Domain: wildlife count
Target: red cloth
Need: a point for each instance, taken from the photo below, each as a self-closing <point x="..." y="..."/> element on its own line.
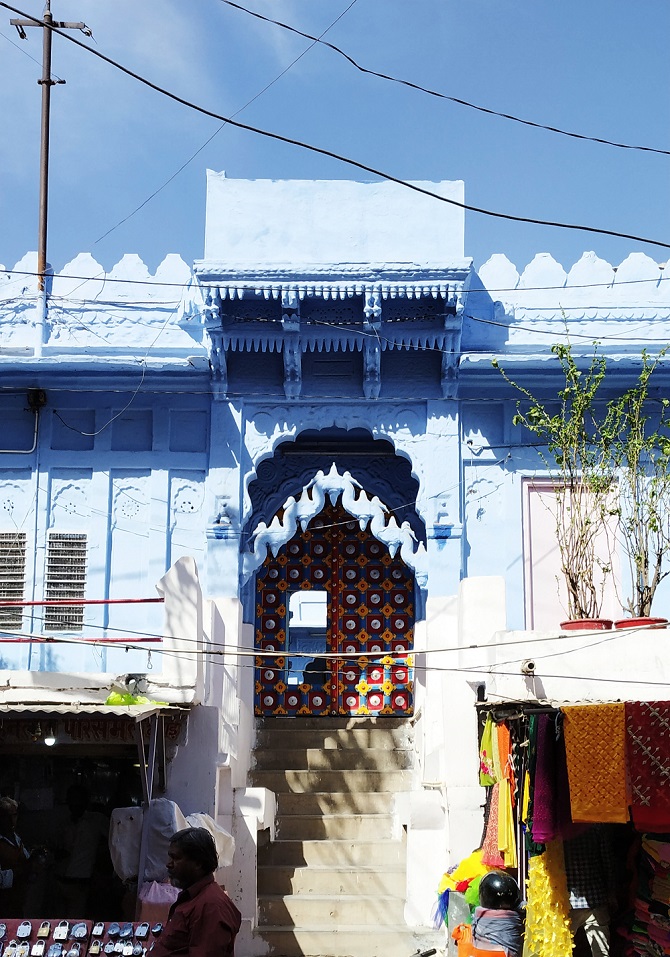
<point x="552" y="818"/>
<point x="491" y="855"/>
<point x="203" y="922"/>
<point x="648" y="752"/>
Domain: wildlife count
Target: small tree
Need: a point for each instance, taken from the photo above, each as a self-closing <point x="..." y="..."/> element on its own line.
<point x="637" y="429"/>
<point x="568" y="434"/>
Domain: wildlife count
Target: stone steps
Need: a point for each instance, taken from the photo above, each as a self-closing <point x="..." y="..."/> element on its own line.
<point x="315" y="879"/>
<point x="331" y="759"/>
<point x="333" y="883"/>
<point x="356" y="739"/>
<point x="343" y="782"/>
<point x="337" y="827"/>
<point x="369" y="802"/>
<point x="333" y="853"/>
<point x="322" y="940"/>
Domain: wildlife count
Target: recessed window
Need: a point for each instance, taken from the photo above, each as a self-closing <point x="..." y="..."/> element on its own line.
<point x="65" y="578"/>
<point x="12" y="577"/>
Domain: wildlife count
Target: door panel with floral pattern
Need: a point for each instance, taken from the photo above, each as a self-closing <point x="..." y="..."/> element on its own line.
<point x="358" y="659"/>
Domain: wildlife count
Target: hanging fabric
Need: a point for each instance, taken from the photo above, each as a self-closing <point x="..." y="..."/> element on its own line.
<point x="548" y="909"/>
<point x="486" y="771"/>
<point x="506" y="824"/>
<point x="597" y="794"/>
<point x="648" y="754"/>
<point x="551" y="792"/>
<point x="490" y="852"/>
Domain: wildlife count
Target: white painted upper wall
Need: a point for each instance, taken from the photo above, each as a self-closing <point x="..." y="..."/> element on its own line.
<point x="268" y="222"/>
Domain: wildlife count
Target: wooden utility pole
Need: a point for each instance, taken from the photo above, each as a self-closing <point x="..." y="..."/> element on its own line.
<point x="47" y="23"/>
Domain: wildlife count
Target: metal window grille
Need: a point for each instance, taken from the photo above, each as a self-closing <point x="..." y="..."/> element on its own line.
<point x="65" y="577"/>
<point x="12" y="576"/>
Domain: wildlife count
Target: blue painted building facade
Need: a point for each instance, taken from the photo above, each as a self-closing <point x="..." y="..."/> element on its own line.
<point x="334" y="341"/>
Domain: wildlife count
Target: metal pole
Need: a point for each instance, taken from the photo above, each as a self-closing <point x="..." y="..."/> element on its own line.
<point x="46" y="83"/>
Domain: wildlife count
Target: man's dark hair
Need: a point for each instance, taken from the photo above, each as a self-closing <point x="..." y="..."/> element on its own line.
<point x="197" y="844"/>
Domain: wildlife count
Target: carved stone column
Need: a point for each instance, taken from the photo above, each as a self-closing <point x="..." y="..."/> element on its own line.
<point x="292" y="348"/>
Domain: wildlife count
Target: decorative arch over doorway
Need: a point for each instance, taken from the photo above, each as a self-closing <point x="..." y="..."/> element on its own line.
<point x="335" y="609"/>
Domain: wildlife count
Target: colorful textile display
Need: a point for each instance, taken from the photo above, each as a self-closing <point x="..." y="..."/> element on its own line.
<point x="491" y="852"/>
<point x="486" y="778"/>
<point x="506" y="825"/>
<point x="597" y="795"/>
<point x="648" y="934"/>
<point x="548" y="910"/>
<point x="648" y="755"/>
<point x="551" y="793"/>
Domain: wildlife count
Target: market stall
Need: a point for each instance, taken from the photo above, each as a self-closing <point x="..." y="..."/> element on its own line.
<point x="577" y="798"/>
<point x="69" y="767"/>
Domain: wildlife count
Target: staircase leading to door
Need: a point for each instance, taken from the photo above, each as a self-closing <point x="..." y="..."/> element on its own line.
<point x="333" y="882"/>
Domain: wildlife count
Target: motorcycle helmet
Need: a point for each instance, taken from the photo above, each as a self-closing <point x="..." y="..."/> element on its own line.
<point x="499" y="891"/>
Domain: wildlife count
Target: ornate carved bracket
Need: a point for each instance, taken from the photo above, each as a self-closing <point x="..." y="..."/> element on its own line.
<point x="451" y="352"/>
<point x="372" y="379"/>
<point x="292" y="349"/>
<point x="218" y="345"/>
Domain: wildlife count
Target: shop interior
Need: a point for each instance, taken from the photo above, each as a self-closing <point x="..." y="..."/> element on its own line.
<point x="67" y="775"/>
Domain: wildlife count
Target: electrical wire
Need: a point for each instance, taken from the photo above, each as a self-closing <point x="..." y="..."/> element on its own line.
<point x="444" y="96"/>
<point x="25" y="53"/>
<point x="657" y="280"/>
<point x="223" y="126"/>
<point x="527" y="643"/>
<point x="331" y="154"/>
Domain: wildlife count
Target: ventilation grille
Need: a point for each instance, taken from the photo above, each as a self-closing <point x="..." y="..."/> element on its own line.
<point x="12" y="576"/>
<point x="65" y="578"/>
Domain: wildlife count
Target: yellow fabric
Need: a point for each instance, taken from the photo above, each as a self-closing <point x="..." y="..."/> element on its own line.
<point x="469" y="868"/>
<point x="486" y="754"/>
<point x="597" y="787"/>
<point x="506" y="830"/>
<point x="498" y="759"/>
<point x="548" y="906"/>
<point x="525" y="798"/>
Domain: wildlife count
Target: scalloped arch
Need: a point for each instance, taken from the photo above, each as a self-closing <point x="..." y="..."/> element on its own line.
<point x="266" y="429"/>
<point x="371" y="514"/>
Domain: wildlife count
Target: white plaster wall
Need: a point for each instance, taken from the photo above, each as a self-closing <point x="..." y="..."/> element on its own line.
<point x="192" y="773"/>
<point x="271" y="222"/>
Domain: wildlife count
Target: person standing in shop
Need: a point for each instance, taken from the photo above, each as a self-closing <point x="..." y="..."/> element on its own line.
<point x="77" y="852"/>
<point x="14" y="861"/>
<point x="590" y="873"/>
<point x="203" y="921"/>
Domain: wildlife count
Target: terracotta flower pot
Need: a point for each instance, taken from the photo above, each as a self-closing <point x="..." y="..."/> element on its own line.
<point x="587" y="624"/>
<point x="641" y="623"/>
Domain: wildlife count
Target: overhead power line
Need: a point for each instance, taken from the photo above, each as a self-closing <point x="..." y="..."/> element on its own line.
<point x="251" y="286"/>
<point x="444" y="96"/>
<point x="331" y="154"/>
<point x="223" y="126"/>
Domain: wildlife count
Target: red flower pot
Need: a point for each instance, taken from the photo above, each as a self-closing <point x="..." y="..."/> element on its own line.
<point x="587" y="624"/>
<point x="641" y="623"/>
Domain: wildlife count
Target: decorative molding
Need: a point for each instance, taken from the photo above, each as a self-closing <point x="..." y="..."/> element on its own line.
<point x="372" y="513"/>
<point x="292" y="348"/>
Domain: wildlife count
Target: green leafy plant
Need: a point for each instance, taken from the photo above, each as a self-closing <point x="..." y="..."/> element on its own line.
<point x="636" y="433"/>
<point x="570" y="443"/>
<point x="610" y="462"/>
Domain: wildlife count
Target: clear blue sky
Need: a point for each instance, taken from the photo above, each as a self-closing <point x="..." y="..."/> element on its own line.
<point x="599" y="67"/>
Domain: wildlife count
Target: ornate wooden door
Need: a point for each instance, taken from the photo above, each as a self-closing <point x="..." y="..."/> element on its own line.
<point x="368" y="629"/>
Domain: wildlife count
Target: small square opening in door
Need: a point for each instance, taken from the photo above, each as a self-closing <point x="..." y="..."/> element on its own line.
<point x="307" y="629"/>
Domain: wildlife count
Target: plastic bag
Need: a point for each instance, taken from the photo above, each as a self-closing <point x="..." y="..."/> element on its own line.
<point x="156" y="898"/>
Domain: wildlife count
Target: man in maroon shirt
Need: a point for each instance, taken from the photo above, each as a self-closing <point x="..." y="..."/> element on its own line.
<point x="203" y="921"/>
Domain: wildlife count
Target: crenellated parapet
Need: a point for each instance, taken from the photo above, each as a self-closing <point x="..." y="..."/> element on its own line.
<point x="89" y="314"/>
<point x="592" y="298"/>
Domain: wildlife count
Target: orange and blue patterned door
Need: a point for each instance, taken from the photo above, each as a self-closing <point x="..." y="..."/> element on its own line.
<point x="357" y="659"/>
